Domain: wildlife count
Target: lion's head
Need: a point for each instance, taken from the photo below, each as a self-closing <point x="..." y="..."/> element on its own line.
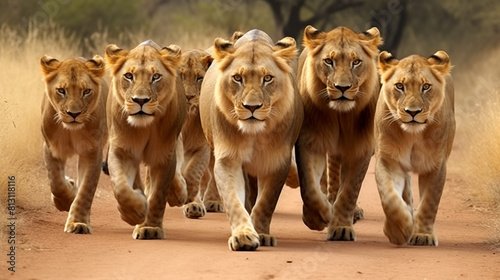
<point x="143" y="79"/>
<point x="414" y="88"/>
<point x="73" y="87"/>
<point x="194" y="64"/>
<point x="255" y="83"/>
<point x="343" y="63"/>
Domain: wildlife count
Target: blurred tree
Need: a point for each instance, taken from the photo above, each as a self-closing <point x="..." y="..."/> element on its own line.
<point x="287" y="14"/>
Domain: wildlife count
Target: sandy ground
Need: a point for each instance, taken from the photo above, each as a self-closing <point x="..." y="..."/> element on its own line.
<point x="197" y="249"/>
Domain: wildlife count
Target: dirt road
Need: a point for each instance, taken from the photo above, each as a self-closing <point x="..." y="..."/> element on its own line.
<point x="197" y="249"/>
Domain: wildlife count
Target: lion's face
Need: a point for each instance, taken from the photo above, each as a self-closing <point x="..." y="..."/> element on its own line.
<point x="255" y="87"/>
<point x="194" y="64"/>
<point x="343" y="60"/>
<point x="144" y="80"/>
<point x="73" y="88"/>
<point x="413" y="88"/>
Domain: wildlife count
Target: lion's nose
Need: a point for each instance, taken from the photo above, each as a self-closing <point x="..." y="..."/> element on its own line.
<point x="413" y="112"/>
<point x="73" y="114"/>
<point x="141" y="101"/>
<point x="342" y="88"/>
<point x="252" y="108"/>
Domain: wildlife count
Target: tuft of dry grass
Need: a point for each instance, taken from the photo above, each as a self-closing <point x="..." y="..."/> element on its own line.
<point x="476" y="158"/>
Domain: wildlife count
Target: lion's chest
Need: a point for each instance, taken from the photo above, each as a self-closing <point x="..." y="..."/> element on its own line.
<point x="417" y="155"/>
<point x="258" y="155"/>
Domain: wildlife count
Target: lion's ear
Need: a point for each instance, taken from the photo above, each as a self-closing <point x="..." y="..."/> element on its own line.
<point x="441" y="62"/>
<point x="49" y="64"/>
<point x="115" y="57"/>
<point x="286" y="49"/>
<point x="207" y="61"/>
<point x="373" y="39"/>
<point x="236" y="36"/>
<point x="386" y="61"/>
<point x="313" y="37"/>
<point x="223" y="48"/>
<point x="171" y="55"/>
<point x="96" y="65"/>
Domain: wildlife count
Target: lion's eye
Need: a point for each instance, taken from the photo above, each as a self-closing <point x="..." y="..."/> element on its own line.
<point x="328" y="61"/>
<point x="268" y="78"/>
<point x="426" y="87"/>
<point x="156" y="77"/>
<point x="86" y="92"/>
<point x="128" y="76"/>
<point x="237" y="78"/>
<point x="356" y="62"/>
<point x="199" y="79"/>
<point x="400" y="86"/>
<point x="61" y="91"/>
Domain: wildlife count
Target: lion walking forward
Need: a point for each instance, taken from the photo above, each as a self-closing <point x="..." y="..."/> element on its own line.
<point x="146" y="112"/>
<point x="415" y="127"/>
<point x="251" y="115"/>
<point x="338" y="83"/>
<point x="74" y="122"/>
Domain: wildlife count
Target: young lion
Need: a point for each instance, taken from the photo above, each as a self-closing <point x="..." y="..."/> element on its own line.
<point x="251" y="115"/>
<point x="146" y="114"/>
<point x="415" y="127"/>
<point x="339" y="85"/>
<point x="74" y="122"/>
<point x="194" y="64"/>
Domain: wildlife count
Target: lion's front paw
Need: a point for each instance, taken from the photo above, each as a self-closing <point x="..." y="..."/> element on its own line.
<point x="359" y="214"/>
<point x="267" y="240"/>
<point x="244" y="240"/>
<point x="145" y="232"/>
<point x="398" y="232"/>
<point x="214" y="206"/>
<point x="133" y="207"/>
<point x="314" y="218"/>
<point x="343" y="233"/>
<point x="194" y="210"/>
<point x="178" y="194"/>
<point x="78" y="228"/>
<point x="63" y="201"/>
<point x="423" y="239"/>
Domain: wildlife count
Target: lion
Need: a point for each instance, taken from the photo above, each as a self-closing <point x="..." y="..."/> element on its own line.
<point x="415" y="128"/>
<point x="194" y="64"/>
<point x="251" y="114"/>
<point x="339" y="86"/>
<point x="74" y="123"/>
<point x="145" y="116"/>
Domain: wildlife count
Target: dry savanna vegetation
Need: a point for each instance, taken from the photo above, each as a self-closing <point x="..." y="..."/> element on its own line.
<point x="474" y="163"/>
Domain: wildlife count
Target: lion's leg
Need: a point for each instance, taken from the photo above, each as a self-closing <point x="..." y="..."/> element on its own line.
<point x="269" y="187"/>
<point x="231" y="185"/>
<point x="333" y="177"/>
<point x="352" y="175"/>
<point x="62" y="188"/>
<point x="177" y="195"/>
<point x="316" y="211"/>
<point x="161" y="178"/>
<point x="431" y="188"/>
<point x="292" y="180"/>
<point x="123" y="171"/>
<point x="211" y="197"/>
<point x="193" y="172"/>
<point x="393" y="183"/>
<point x="89" y="169"/>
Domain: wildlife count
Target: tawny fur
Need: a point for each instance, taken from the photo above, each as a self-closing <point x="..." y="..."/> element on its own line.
<point x="338" y="83"/>
<point x="145" y="115"/>
<point x="74" y="123"/>
<point x="251" y="115"/>
<point x="415" y="128"/>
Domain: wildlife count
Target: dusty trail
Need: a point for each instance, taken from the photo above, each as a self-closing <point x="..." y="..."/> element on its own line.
<point x="197" y="249"/>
